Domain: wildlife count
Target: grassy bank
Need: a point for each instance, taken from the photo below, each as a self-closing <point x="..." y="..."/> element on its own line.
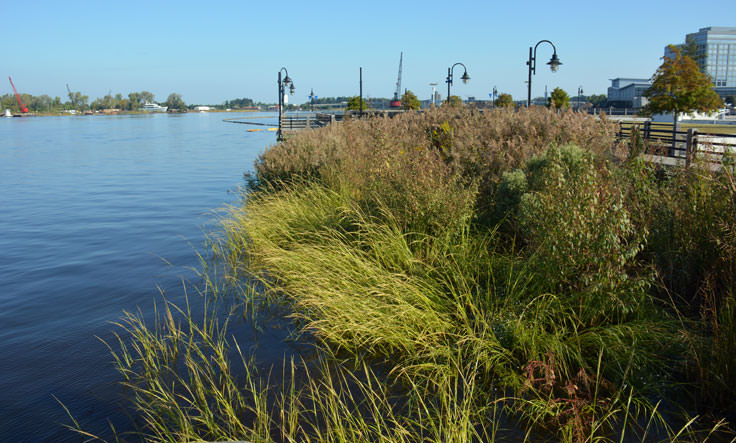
<point x="463" y="276"/>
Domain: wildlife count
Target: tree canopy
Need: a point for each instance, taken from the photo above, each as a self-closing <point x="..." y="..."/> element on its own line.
<point x="559" y="98"/>
<point x="175" y="102"/>
<point x="678" y="86"/>
<point x="504" y="100"/>
<point x="354" y="104"/>
<point x="410" y="101"/>
<point x="690" y="49"/>
<point x="598" y="100"/>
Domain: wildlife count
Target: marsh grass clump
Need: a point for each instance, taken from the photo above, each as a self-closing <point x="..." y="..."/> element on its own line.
<point x="430" y="168"/>
<point x="464" y="276"/>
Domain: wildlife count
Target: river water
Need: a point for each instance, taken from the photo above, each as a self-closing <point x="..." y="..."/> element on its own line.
<point x="95" y="214"/>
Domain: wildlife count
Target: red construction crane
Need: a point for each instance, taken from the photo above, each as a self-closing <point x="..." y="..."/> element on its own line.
<point x="23" y="108"/>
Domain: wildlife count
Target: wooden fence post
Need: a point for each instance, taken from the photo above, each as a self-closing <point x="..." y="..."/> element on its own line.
<point x="691" y="147"/>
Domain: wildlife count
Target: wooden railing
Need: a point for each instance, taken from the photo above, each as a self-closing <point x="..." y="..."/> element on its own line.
<point x="659" y="140"/>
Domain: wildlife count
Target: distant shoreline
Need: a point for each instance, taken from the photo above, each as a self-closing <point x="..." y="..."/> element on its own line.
<point x="91" y="113"/>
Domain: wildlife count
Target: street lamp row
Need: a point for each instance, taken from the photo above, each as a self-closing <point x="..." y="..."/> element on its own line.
<point x="553" y="63"/>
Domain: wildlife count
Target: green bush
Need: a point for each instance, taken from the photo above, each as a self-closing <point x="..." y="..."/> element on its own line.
<point x="571" y="215"/>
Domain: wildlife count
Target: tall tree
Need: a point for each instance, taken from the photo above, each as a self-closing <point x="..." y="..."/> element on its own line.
<point x="147" y="97"/>
<point x="679" y="87"/>
<point x="175" y="102"/>
<point x="559" y="98"/>
<point x="410" y="101"/>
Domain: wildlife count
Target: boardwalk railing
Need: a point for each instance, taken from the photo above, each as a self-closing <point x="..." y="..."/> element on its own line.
<point x="658" y="140"/>
<point x="293" y="123"/>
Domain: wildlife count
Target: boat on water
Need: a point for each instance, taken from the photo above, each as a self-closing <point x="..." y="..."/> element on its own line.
<point x="154" y="107"/>
<point x="7" y="113"/>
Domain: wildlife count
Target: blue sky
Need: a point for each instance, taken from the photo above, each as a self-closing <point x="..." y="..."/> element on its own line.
<point x="213" y="51"/>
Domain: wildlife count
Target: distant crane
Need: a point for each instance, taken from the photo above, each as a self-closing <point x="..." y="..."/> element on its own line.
<point x="23" y="108"/>
<point x="396" y="102"/>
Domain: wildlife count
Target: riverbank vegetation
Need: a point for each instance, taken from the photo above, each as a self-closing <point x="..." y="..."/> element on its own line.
<point x="461" y="276"/>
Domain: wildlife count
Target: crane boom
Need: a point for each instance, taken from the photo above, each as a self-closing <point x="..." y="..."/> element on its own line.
<point x="396" y="102"/>
<point x="23" y="108"/>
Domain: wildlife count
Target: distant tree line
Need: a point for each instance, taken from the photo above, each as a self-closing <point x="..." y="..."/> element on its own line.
<point x="75" y="100"/>
<point x="239" y="103"/>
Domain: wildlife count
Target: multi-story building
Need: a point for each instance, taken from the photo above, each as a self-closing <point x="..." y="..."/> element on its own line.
<point x="628" y="92"/>
<point x="716" y="53"/>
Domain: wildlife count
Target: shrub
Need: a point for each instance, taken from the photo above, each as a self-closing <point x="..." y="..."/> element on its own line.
<point x="577" y="229"/>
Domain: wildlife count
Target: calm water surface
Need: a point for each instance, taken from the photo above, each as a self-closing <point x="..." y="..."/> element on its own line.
<point x="89" y="209"/>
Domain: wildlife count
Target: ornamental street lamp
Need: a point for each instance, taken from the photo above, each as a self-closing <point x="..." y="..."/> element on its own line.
<point x="553" y="63"/>
<point x="464" y="78"/>
<point x="283" y="84"/>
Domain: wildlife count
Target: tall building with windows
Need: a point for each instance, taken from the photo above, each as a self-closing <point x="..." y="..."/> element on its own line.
<point x="716" y="51"/>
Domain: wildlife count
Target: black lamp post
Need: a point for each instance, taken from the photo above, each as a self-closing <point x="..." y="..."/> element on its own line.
<point x="464" y="78"/>
<point x="553" y="63"/>
<point x="494" y="97"/>
<point x="283" y="84"/>
<point x="580" y="95"/>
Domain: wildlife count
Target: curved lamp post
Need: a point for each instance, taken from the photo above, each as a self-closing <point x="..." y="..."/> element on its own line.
<point x="465" y="77"/>
<point x="553" y="63"/>
<point x="283" y="84"/>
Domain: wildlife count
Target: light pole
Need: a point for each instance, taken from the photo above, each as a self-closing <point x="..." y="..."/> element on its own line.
<point x="553" y="63"/>
<point x="493" y="97"/>
<point x="464" y="78"/>
<point x="580" y="95"/>
<point x="286" y="82"/>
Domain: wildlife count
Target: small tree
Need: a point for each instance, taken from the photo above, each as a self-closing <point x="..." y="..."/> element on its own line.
<point x="354" y="104"/>
<point x="559" y="99"/>
<point x="504" y="101"/>
<point x="679" y="87"/>
<point x="410" y="101"/>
